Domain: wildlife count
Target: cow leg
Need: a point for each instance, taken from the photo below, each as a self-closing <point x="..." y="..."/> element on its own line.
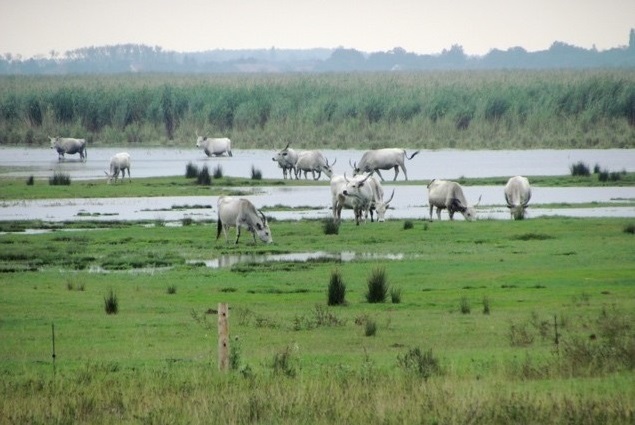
<point x="405" y="173"/>
<point x="237" y="234"/>
<point x="451" y="213"/>
<point x="431" y="208"/>
<point x="319" y="174"/>
<point x="396" y="172"/>
<point x="379" y="174"/>
<point x="438" y="214"/>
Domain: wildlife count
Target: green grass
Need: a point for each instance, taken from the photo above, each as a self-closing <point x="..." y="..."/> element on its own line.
<point x="155" y="360"/>
<point x="16" y="188"/>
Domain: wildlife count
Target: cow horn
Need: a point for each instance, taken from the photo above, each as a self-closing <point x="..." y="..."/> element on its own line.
<point x="287" y="147"/>
<point x="390" y="199"/>
<point x="330" y="165"/>
<point x="264" y="219"/>
<point x="366" y="178"/>
<point x="346" y="178"/>
<point x="479" y="201"/>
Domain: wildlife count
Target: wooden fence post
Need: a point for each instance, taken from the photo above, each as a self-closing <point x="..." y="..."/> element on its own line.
<point x="223" y="337"/>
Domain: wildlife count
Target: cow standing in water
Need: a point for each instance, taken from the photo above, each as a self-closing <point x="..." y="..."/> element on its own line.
<point x="240" y="212"/>
<point x="444" y="194"/>
<point x="214" y="146"/>
<point x="119" y="163"/>
<point x="67" y="145"/>
<point x="383" y="159"/>
<point x="286" y="159"/>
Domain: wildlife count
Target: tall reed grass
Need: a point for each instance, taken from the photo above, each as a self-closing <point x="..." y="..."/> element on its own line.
<point x="494" y="109"/>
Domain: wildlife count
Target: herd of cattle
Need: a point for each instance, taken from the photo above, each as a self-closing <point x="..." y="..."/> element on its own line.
<point x="362" y="192"/>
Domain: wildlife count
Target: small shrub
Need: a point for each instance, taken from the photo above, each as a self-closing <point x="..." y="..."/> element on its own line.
<point x="60" y="179"/>
<point x="377" y="286"/>
<point x="486" y="305"/>
<point x="370" y="328"/>
<point x="203" y="178"/>
<point x="615" y="176"/>
<point x="464" y="306"/>
<point x="30" y="181"/>
<point x="596" y="168"/>
<point x="408" y="224"/>
<point x="395" y="295"/>
<point x="580" y="169"/>
<point x="111" y="304"/>
<point x="519" y="335"/>
<point x="171" y="289"/>
<point x="284" y="363"/>
<point x="191" y="171"/>
<point x="187" y="221"/>
<point x="337" y="289"/>
<point x="256" y="174"/>
<point x="218" y="172"/>
<point x="234" y="355"/>
<point x="331" y="227"/>
<point x="603" y="175"/>
<point x="630" y="229"/>
<point x="424" y="365"/>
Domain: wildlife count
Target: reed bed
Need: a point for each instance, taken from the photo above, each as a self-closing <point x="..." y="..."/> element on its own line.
<point x="467" y="110"/>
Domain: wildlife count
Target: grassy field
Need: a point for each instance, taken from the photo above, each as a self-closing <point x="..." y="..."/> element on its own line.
<point x="17" y="188"/>
<point x="431" y="110"/>
<point x="467" y="333"/>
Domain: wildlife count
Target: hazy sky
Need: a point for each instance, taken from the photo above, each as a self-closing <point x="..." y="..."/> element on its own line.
<point x="35" y="27"/>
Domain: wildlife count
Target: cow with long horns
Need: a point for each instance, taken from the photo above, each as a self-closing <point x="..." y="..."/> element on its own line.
<point x="444" y="194"/>
<point x="383" y="159"/>
<point x="517" y="195"/>
<point x="240" y="212"/>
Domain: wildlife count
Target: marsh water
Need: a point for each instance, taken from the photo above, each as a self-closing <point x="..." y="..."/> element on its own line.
<point x="295" y="202"/>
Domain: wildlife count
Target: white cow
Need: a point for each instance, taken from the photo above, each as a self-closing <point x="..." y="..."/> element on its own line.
<point x="240" y="212"/>
<point x="67" y="145"/>
<point x="517" y="195"/>
<point x="214" y="146"/>
<point x="314" y="162"/>
<point x="286" y="159"/>
<point x="119" y="162"/>
<point x="379" y="205"/>
<point x="355" y="193"/>
<point x="383" y="159"/>
<point x="448" y="194"/>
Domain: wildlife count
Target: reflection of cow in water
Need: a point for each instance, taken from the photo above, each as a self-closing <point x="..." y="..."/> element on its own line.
<point x="67" y="145"/>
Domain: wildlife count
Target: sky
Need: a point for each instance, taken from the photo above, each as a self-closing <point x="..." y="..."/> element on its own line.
<point x="31" y="28"/>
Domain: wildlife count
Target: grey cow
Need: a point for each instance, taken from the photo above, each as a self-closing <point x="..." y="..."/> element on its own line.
<point x="68" y="145"/>
<point x="240" y="212"/>
<point x="517" y="195"/>
<point x="444" y="194"/>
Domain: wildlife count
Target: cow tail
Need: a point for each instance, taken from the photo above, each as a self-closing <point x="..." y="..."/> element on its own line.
<point x="219" y="227"/>
<point x="412" y="156"/>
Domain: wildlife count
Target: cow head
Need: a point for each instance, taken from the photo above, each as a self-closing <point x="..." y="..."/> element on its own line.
<point x="381" y="207"/>
<point x="354" y="186"/>
<point x="328" y="168"/>
<point x="53" y="141"/>
<point x="261" y="228"/>
<point x="200" y="140"/>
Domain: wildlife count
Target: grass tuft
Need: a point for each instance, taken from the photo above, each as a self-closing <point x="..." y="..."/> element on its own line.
<point x="60" y="179"/>
<point x="377" y="286"/>
<point x="191" y="171"/>
<point x="111" y="303"/>
<point x="337" y="289"/>
<point x="203" y="178"/>
<point x="330" y="227"/>
<point x="580" y="169"/>
<point x="422" y="364"/>
<point x="256" y="174"/>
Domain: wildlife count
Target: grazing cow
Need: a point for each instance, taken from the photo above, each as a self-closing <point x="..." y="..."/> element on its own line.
<point x="240" y="212"/>
<point x="356" y="194"/>
<point x="286" y="159"/>
<point x="214" y="147"/>
<point x="314" y="162"/>
<point x="447" y="194"/>
<point x="517" y="195"/>
<point x="378" y="204"/>
<point x="67" y="145"/>
<point x="383" y="159"/>
<point x="119" y="162"/>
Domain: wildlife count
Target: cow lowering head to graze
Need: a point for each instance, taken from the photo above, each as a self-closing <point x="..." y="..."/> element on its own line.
<point x="378" y="204"/>
<point x="286" y="159"/>
<point x="314" y="162"/>
<point x="240" y="212"/>
<point x="119" y="162"/>
<point x="355" y="193"/>
<point x="214" y="146"/>
<point x="383" y="159"/>
<point x="444" y="194"/>
<point x="517" y="195"/>
<point x="67" y="145"/>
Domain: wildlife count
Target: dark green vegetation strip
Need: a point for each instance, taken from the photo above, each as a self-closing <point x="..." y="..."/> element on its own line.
<point x="463" y="110"/>
<point x="12" y="188"/>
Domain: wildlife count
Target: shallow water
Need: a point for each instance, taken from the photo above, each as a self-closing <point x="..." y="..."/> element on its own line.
<point x="315" y="202"/>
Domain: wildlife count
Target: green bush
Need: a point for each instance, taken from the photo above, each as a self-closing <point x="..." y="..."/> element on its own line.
<point x="111" y="304"/>
<point x="425" y="365"/>
<point x="218" y="172"/>
<point x="191" y="171"/>
<point x="256" y="174"/>
<point x="60" y="179"/>
<point x="330" y="227"/>
<point x="377" y="286"/>
<point x="203" y="178"/>
<point x="370" y="328"/>
<point x="337" y="289"/>
<point x="580" y="169"/>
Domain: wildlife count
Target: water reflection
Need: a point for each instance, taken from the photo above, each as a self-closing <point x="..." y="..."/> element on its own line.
<point x="228" y="260"/>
